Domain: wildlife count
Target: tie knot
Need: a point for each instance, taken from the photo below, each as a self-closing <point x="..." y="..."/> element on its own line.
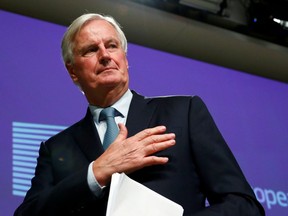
<point x="111" y="133"/>
<point x="108" y="112"/>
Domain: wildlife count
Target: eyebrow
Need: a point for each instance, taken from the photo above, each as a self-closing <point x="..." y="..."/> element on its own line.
<point x="92" y="44"/>
<point x="112" y="39"/>
<point x="84" y="48"/>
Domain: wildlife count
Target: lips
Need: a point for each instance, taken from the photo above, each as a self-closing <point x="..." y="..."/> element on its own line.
<point x="106" y="69"/>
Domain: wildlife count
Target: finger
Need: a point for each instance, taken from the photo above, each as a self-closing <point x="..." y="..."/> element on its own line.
<point x="157" y="147"/>
<point x="123" y="132"/>
<point x="150" y="131"/>
<point x="154" y="160"/>
<point x="160" y="138"/>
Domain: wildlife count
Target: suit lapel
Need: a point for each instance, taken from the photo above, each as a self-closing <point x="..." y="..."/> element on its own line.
<point x="88" y="138"/>
<point x="140" y="114"/>
<point x="139" y="117"/>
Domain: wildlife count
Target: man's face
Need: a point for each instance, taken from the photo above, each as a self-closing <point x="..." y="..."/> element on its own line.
<point x="100" y="63"/>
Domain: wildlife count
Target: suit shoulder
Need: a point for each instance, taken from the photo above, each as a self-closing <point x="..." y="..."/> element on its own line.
<point x="181" y="102"/>
<point x="175" y="98"/>
<point x="167" y="98"/>
<point x="65" y="134"/>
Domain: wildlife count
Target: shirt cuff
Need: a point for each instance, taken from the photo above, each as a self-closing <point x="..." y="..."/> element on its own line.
<point x="93" y="184"/>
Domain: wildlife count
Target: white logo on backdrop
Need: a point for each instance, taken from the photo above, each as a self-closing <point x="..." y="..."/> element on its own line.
<point x="26" y="141"/>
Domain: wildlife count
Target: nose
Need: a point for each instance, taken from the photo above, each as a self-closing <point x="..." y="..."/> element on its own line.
<point x="104" y="56"/>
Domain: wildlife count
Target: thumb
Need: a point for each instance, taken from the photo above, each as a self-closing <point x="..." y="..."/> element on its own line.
<point x="123" y="132"/>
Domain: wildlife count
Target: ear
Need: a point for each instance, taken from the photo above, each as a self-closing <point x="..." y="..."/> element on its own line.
<point x="127" y="63"/>
<point x="71" y="72"/>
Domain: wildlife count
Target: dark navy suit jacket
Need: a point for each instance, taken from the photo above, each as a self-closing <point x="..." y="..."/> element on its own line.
<point x="200" y="165"/>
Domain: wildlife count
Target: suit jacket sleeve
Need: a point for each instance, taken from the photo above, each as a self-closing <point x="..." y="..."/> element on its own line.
<point x="226" y="188"/>
<point x="60" y="185"/>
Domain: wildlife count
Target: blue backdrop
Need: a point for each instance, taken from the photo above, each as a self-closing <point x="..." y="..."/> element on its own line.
<point x="38" y="99"/>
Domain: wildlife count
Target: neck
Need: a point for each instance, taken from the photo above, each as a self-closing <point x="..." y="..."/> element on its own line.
<point x="106" y="98"/>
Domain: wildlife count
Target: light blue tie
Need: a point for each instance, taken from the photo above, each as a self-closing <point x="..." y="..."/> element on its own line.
<point x="112" y="131"/>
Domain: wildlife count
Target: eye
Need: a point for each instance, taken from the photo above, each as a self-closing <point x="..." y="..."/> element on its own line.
<point x="89" y="50"/>
<point x="112" y="46"/>
<point x="92" y="49"/>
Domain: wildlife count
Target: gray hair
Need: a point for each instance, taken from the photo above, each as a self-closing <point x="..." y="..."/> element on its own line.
<point x="68" y="43"/>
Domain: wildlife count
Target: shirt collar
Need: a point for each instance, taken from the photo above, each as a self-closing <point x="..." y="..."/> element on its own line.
<point x="122" y="105"/>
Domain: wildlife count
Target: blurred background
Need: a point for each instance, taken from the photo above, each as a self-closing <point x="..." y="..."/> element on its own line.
<point x="247" y="35"/>
<point x="232" y="53"/>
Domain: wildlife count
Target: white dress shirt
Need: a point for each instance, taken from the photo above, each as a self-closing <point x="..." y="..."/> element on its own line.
<point x="122" y="105"/>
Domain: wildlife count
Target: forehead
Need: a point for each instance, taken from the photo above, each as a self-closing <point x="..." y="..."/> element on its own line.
<point x="96" y="28"/>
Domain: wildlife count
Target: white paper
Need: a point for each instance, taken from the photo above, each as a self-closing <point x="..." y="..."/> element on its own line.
<point x="129" y="198"/>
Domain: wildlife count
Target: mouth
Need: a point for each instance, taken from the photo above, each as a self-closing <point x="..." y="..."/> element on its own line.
<point x="109" y="69"/>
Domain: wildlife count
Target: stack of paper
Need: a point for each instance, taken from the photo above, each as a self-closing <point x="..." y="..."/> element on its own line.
<point x="129" y="198"/>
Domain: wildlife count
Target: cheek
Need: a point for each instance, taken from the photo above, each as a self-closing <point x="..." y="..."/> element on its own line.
<point x="86" y="66"/>
<point x="84" y="73"/>
<point x="124" y="62"/>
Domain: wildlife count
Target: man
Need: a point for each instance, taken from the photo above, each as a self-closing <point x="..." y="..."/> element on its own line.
<point x="169" y="144"/>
